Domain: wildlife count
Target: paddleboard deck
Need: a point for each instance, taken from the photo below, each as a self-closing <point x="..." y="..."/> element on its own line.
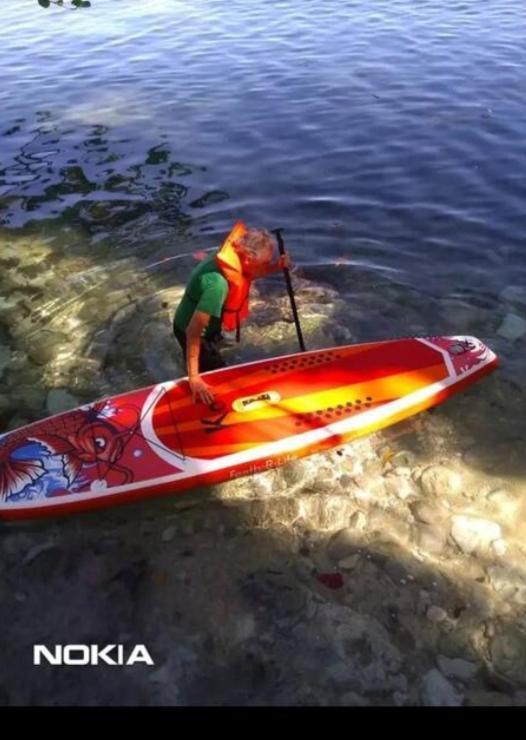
<point x="156" y="441"/>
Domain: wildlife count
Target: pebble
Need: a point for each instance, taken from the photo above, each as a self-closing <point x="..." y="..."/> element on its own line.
<point x="436" y="614"/>
<point x="168" y="534"/>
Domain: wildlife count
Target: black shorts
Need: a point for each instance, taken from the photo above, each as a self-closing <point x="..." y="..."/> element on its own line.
<point x="209" y="356"/>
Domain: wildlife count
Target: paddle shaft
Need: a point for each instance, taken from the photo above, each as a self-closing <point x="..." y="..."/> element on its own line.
<point x="286" y="272"/>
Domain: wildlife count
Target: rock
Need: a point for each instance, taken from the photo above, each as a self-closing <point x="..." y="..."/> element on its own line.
<point x="499" y="547"/>
<point x="464" y="316"/>
<point x="341" y="675"/>
<point x="168" y="534"/>
<point x="513" y="327"/>
<point x="35" y="551"/>
<point x="5" y="404"/>
<point x="481" y="698"/>
<point x="342" y="544"/>
<point x="16" y="422"/>
<point x="363" y="644"/>
<point x="358" y="520"/>
<point x="350" y="562"/>
<point x="58" y="400"/>
<point x="510" y="584"/>
<point x="402" y="461"/>
<point x="430" y="540"/>
<point x="457" y="668"/>
<point x="5" y="358"/>
<point x="508" y="653"/>
<point x="438" y="692"/>
<point x="473" y="533"/>
<point x="436" y="614"/>
<point x="388" y="526"/>
<point x="296" y="472"/>
<point x="162" y="675"/>
<point x="437" y="480"/>
<point x="514" y="294"/>
<point x="428" y="511"/>
<point x="350" y="699"/>
<point x="44" y="346"/>
<point x="111" y="214"/>
<point x="400" y="486"/>
<point x="27" y="397"/>
<point x="506" y="502"/>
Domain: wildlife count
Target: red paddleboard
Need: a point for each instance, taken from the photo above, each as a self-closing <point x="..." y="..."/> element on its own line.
<point x="156" y="441"/>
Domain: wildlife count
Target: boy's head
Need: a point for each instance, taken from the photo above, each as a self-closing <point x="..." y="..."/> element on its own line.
<point x="255" y="249"/>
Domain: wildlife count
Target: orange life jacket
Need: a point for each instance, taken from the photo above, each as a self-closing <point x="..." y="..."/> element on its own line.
<point x="236" y="308"/>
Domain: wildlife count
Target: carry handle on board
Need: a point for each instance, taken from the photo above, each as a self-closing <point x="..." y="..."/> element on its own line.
<point x="286" y="272"/>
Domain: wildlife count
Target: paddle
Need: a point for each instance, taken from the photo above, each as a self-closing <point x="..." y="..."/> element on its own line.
<point x="286" y="272"/>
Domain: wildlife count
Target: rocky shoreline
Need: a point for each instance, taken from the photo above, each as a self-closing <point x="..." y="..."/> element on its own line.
<point x="389" y="572"/>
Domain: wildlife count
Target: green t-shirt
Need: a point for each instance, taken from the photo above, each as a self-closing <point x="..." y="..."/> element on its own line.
<point x="206" y="291"/>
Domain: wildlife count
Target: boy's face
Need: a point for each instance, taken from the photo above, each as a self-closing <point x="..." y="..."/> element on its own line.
<point x="252" y="260"/>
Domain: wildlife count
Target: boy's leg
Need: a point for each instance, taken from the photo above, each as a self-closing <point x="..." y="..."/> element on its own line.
<point x="209" y="356"/>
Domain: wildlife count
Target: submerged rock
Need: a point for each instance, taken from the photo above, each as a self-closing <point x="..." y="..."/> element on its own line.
<point x="5" y="357"/>
<point x="508" y="653"/>
<point x="473" y="533"/>
<point x="59" y="400"/>
<point x="437" y="480"/>
<point x="482" y="698"/>
<point x="43" y="347"/>
<point x="513" y="327"/>
<point x="342" y="544"/>
<point x="515" y="294"/>
<point x="464" y="670"/>
<point x="438" y="692"/>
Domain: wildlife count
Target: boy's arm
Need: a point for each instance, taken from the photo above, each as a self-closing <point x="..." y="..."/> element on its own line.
<point x="200" y="390"/>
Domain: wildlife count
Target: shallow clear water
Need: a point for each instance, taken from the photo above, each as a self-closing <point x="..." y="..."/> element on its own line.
<point x="388" y="139"/>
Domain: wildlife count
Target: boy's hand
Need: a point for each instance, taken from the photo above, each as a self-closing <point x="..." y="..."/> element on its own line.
<point x="200" y="390"/>
<point x="284" y="261"/>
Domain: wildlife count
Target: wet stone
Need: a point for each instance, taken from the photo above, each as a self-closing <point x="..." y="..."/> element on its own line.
<point x="342" y="544"/>
<point x="437" y="480"/>
<point x="430" y="539"/>
<point x="513" y="327"/>
<point x="436" y="614"/>
<point x="438" y="692"/>
<point x="508" y="653"/>
<point x="59" y="400"/>
<point x="5" y="358"/>
<point x="474" y="533"/>
<point x="464" y="670"/>
<point x="482" y="698"/>
<point x="44" y="347"/>
<point x="515" y="295"/>
<point x="168" y="534"/>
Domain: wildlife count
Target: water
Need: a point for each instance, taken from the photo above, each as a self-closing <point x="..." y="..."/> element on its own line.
<point x="387" y="139"/>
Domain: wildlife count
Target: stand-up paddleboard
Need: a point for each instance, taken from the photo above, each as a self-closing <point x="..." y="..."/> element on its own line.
<point x="266" y="413"/>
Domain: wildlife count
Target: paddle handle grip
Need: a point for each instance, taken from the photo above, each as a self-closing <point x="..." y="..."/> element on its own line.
<point x="281" y="248"/>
